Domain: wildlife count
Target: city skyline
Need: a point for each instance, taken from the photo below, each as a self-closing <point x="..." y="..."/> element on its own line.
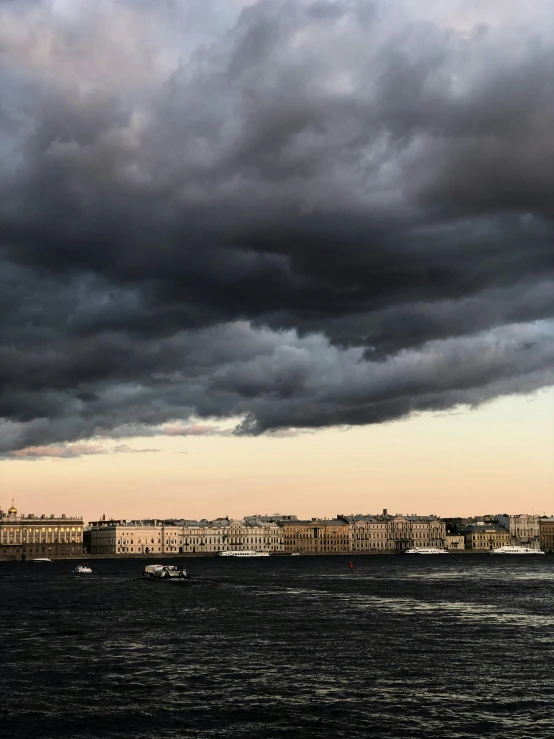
<point x="23" y="536"/>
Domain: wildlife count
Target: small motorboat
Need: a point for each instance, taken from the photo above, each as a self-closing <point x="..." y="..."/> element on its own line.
<point x="83" y="569"/>
<point x="426" y="550"/>
<point x="41" y="559"/>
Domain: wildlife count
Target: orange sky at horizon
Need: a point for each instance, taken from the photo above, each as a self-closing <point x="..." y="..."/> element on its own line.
<point x="494" y="459"/>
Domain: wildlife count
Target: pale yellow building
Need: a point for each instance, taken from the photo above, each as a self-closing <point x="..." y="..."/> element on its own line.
<point x="331" y="536"/>
<point x="36" y="537"/>
<point x="318" y="536"/>
<point x="367" y="533"/>
<point x="455" y="542"/>
<point x="546" y="528"/>
<point x="486" y="536"/>
<point x="298" y="536"/>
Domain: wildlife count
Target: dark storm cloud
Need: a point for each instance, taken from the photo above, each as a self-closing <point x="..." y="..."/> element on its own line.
<point x="331" y="213"/>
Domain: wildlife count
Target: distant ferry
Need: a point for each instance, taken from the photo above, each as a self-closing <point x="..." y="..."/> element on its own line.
<point x="245" y="553"/>
<point x="165" y="572"/>
<point x="426" y="550"/>
<point x="516" y="550"/>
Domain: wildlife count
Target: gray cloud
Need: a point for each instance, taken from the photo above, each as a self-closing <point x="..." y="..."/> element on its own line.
<point x="68" y="451"/>
<point x="317" y="213"/>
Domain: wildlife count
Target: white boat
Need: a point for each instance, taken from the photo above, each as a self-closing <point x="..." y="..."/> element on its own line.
<point x="165" y="572"/>
<point x="516" y="550"/>
<point x="295" y="554"/>
<point x="82" y="569"/>
<point x="426" y="550"/>
<point x="41" y="559"/>
<point x="244" y="553"/>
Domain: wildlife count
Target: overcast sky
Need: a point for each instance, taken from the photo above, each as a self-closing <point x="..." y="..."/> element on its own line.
<point x="228" y="227"/>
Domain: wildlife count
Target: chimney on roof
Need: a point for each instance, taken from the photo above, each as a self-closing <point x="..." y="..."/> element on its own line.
<point x="385" y="512"/>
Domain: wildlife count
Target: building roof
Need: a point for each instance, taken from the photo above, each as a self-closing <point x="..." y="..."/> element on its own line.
<point x="484" y="527"/>
<point x="330" y="521"/>
<point x="427" y="519"/>
<point x="359" y="518"/>
<point x="273" y="518"/>
<point x="294" y="523"/>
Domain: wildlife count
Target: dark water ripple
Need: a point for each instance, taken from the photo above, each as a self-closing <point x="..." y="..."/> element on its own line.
<point x="457" y="646"/>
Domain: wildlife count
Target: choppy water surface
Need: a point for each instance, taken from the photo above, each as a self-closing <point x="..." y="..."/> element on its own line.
<point x="457" y="646"/>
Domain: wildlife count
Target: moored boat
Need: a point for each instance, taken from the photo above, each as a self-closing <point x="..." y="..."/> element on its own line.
<point x="165" y="572"/>
<point x="516" y="550"/>
<point x="426" y="550"/>
<point x="41" y="559"/>
<point x="244" y="553"/>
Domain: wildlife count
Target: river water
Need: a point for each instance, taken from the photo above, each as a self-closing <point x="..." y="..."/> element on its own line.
<point x="453" y="646"/>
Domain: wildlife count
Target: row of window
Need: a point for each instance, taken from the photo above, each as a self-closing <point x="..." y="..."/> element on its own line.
<point x="181" y="549"/>
<point x="35" y="529"/>
<point x="50" y="550"/>
<point x="37" y="539"/>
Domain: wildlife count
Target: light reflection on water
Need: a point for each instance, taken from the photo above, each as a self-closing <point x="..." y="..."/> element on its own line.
<point x="281" y="648"/>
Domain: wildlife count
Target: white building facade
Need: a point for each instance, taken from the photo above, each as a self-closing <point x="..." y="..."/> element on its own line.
<point x="524" y="529"/>
<point x="183" y="537"/>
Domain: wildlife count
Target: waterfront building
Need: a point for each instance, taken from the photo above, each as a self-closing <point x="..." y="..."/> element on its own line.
<point x="171" y="536"/>
<point x="203" y="537"/>
<point x="297" y="536"/>
<point x="363" y="533"/>
<point x="125" y="537"/>
<point x="149" y="537"/>
<point x="318" y="536"/>
<point x="524" y="529"/>
<point x="265" y="535"/>
<point x="367" y="533"/>
<point x="34" y="537"/>
<point x="484" y="536"/>
<point x="407" y="532"/>
<point x="236" y="536"/>
<point x="183" y="536"/>
<point x="387" y="533"/>
<point x="258" y="535"/>
<point x="139" y="537"/>
<point x="331" y="536"/>
<point x="455" y="542"/>
<point x="546" y="529"/>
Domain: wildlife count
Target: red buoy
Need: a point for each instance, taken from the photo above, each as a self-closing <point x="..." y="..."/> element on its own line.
<point x="351" y="565"/>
